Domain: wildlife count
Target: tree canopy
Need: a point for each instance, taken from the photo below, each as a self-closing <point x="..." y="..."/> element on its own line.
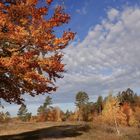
<point x="127" y="96"/>
<point x="43" y="108"/>
<point x="30" y="51"/>
<point x="23" y="113"/>
<point x="81" y="99"/>
<point x="99" y="104"/>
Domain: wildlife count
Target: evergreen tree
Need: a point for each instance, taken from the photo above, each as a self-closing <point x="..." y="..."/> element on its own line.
<point x="40" y="110"/>
<point x="28" y="116"/>
<point x="82" y="104"/>
<point x="67" y="114"/>
<point x="43" y="108"/>
<point x="48" y="102"/>
<point x="8" y="114"/>
<point x="99" y="104"/>
<point x="22" y="112"/>
<point x="81" y="99"/>
<point x="127" y="96"/>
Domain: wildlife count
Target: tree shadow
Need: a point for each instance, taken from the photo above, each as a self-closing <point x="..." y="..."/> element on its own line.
<point x="50" y="132"/>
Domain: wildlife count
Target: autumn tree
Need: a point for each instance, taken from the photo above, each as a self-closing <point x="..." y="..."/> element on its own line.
<point x="30" y="51"/>
<point x="130" y="103"/>
<point x="137" y="114"/>
<point x="130" y="117"/>
<point x="111" y="112"/>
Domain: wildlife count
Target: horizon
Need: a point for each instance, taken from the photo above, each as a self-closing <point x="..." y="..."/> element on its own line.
<point x="63" y="106"/>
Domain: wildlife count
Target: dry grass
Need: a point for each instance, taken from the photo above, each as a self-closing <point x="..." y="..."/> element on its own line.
<point x="20" y="127"/>
<point x="104" y="132"/>
<point x="65" y="131"/>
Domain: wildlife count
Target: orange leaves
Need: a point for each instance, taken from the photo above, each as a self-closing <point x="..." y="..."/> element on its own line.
<point x="31" y="2"/>
<point x="23" y="21"/>
<point x="47" y="48"/>
<point x="34" y="77"/>
<point x="69" y="35"/>
<point x="42" y="10"/>
<point x="30" y="55"/>
<point x="49" y="1"/>
<point x="20" y="33"/>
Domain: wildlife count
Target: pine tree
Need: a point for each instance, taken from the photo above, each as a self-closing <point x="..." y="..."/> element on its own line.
<point x="43" y="108"/>
<point x="99" y="104"/>
<point x="48" y="102"/>
<point x="22" y="113"/>
<point x="81" y="99"/>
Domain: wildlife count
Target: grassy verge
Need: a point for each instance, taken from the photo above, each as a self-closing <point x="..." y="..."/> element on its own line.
<point x="65" y="131"/>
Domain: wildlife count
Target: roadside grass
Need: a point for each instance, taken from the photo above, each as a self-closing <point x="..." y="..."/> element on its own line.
<point x="66" y="131"/>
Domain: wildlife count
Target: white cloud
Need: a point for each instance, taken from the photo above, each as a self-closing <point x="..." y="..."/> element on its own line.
<point x="108" y="57"/>
<point x="113" y="14"/>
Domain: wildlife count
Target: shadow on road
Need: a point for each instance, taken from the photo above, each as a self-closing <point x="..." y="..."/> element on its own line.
<point x="50" y="132"/>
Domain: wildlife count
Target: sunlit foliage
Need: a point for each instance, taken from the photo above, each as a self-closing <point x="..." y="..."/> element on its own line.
<point x="30" y="51"/>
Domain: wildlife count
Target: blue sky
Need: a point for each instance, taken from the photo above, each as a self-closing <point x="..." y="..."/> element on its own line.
<point x="87" y="13"/>
<point x="103" y="57"/>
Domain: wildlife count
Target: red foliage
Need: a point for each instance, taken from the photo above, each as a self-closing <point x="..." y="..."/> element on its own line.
<point x="126" y="109"/>
<point x="30" y="56"/>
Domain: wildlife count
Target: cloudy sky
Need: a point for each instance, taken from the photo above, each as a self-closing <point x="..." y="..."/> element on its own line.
<point x="105" y="55"/>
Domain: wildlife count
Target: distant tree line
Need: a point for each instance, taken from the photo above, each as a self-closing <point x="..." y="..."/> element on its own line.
<point x="121" y="109"/>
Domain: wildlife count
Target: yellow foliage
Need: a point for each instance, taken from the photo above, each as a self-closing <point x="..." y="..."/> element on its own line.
<point x="112" y="112"/>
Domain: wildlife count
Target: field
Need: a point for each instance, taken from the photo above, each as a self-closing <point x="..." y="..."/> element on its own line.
<point x="65" y="131"/>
